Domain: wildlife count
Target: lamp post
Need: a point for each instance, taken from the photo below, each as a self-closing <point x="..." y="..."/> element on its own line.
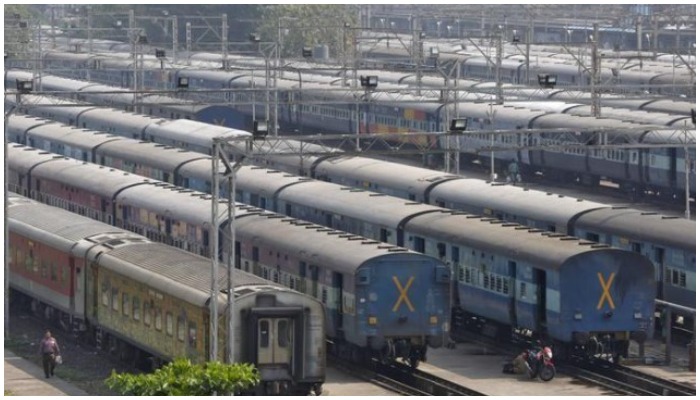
<point x="368" y="83"/>
<point x="255" y="38"/>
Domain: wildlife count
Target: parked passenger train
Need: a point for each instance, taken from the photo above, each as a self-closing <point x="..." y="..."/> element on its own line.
<point x="670" y="246"/>
<point x="380" y="300"/>
<point x="588" y="298"/>
<point x="662" y="79"/>
<point x="658" y="171"/>
<point x="430" y="81"/>
<point x="150" y="302"/>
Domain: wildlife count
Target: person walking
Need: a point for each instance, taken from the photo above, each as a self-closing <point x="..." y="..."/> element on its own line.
<point x="49" y="351"/>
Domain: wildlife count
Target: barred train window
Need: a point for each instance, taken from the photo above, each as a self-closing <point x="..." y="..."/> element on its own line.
<point x="181" y="329"/>
<point x="192" y="336"/>
<point x="158" y="320"/>
<point x="147" y="314"/>
<point x="169" y="323"/>
<point x="115" y="299"/>
<point x="136" y="309"/>
<point x="125" y="304"/>
<point x="105" y="295"/>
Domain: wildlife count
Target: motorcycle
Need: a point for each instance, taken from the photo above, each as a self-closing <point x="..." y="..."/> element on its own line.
<point x="534" y="363"/>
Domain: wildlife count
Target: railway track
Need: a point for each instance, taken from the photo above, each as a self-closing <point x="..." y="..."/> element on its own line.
<point x="403" y="380"/>
<point x="626" y="380"/>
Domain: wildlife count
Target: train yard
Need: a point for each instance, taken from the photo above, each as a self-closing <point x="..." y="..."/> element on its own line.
<point x="566" y="238"/>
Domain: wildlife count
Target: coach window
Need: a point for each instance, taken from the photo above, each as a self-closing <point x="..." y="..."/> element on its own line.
<point x="442" y="251"/>
<point x="44" y="270"/>
<point x="115" y="299"/>
<point x="192" y="334"/>
<point x="181" y="329"/>
<point x="136" y="313"/>
<point x="158" y="320"/>
<point x="125" y="304"/>
<point x="264" y="334"/>
<point x="105" y="294"/>
<point x="54" y="272"/>
<point x="19" y="260"/>
<point x="594" y="237"/>
<point x="419" y="244"/>
<point x="636" y="247"/>
<point x="146" y="314"/>
<point x="169" y="323"/>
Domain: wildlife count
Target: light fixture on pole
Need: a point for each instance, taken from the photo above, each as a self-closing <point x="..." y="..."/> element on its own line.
<point x="458" y="125"/>
<point x="260" y="129"/>
<point x="183" y="82"/>
<point x="160" y="55"/>
<point x="516" y="37"/>
<point x="369" y="81"/>
<point x="547" y="81"/>
<point x="25" y="86"/>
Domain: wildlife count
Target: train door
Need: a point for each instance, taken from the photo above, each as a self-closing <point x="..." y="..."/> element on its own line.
<point x="237" y="256"/>
<point x="510" y="283"/>
<point x="275" y="341"/>
<point x="314" y="281"/>
<point x="302" y="277"/>
<point x="540" y="279"/>
<point x="94" y="286"/>
<point x="337" y="300"/>
<point x="384" y="235"/>
<point x="659" y="257"/>
<point x="672" y="178"/>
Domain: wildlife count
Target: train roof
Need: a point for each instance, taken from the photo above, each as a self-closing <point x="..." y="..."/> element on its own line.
<point x="79" y="174"/>
<point x="536" y="205"/>
<point x="199" y="133"/>
<point x="159" y="156"/>
<point x="636" y="225"/>
<point x="415" y="180"/>
<point x="59" y="229"/>
<point x="71" y="136"/>
<point x="50" y="105"/>
<point x="182" y="204"/>
<point x="547" y="250"/>
<point x="23" y="123"/>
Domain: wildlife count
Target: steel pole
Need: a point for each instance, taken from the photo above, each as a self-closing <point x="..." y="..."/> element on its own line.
<point x="214" y="245"/>
<point x="8" y="114"/>
<point x="230" y="208"/>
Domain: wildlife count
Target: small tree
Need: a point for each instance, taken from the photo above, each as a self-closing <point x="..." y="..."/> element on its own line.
<point x="182" y="378"/>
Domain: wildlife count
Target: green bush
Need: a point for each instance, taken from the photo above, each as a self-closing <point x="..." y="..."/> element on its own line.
<point x="182" y="378"/>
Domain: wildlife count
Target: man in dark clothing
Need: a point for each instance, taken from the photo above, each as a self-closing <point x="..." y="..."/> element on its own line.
<point x="49" y="350"/>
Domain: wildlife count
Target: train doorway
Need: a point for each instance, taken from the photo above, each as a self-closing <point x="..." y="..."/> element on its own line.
<point x="275" y="341"/>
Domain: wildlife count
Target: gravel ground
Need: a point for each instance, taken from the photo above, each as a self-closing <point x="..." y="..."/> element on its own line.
<point x="83" y="366"/>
